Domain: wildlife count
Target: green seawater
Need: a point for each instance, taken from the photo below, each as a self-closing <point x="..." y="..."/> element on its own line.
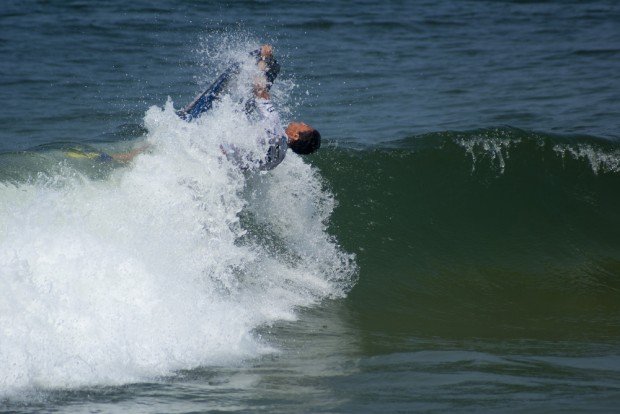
<point x="499" y="233"/>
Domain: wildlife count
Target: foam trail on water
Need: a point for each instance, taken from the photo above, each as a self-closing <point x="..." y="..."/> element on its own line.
<point x="168" y="264"/>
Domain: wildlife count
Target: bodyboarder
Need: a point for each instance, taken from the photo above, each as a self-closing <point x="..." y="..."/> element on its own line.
<point x="298" y="136"/>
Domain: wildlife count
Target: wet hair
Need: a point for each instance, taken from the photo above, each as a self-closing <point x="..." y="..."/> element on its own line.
<point x="308" y="142"/>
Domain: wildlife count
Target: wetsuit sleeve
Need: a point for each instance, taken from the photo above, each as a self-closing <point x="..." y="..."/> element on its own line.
<point x="267" y="111"/>
<point x="273" y="67"/>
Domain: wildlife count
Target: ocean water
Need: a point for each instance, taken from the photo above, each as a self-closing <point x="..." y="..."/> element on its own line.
<point x="453" y="246"/>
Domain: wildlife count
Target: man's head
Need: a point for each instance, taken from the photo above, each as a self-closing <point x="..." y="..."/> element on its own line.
<point x="302" y="138"/>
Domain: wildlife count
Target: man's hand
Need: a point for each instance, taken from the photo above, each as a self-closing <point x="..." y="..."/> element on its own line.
<point x="266" y="51"/>
<point x="266" y="54"/>
<point x="260" y="89"/>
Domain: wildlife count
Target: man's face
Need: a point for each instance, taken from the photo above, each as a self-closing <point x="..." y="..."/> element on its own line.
<point x="294" y="129"/>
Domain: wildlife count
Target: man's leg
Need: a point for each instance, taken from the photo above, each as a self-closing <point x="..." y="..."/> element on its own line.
<point x="204" y="101"/>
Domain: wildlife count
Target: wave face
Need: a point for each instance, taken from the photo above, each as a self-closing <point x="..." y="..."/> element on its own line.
<point x="113" y="275"/>
<point x="487" y="233"/>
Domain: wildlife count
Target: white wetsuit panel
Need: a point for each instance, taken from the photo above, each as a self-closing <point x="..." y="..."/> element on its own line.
<point x="276" y="136"/>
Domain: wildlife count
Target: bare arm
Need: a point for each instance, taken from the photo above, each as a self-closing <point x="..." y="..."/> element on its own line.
<point x="129" y="156"/>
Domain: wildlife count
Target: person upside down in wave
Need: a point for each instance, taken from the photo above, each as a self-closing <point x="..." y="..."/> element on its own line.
<point x="301" y="138"/>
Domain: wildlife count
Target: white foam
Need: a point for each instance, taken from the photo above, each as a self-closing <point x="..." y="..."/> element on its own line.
<point x="152" y="270"/>
<point x="600" y="161"/>
<point x="495" y="148"/>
